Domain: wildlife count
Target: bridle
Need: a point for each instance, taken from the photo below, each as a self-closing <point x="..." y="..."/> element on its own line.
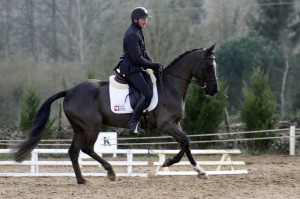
<point x="201" y="82"/>
<point x="201" y="65"/>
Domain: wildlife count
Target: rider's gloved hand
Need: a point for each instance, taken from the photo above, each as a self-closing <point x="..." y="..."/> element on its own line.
<point x="156" y="67"/>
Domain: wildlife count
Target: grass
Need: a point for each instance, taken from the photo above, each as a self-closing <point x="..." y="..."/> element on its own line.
<point x="5" y="156"/>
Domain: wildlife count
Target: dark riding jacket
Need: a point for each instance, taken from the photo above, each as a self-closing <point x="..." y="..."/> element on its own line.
<point x="135" y="55"/>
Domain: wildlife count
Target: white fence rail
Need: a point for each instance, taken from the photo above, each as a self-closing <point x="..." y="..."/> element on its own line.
<point x="224" y="162"/>
<point x="34" y="163"/>
<point x="129" y="163"/>
<point x="292" y="133"/>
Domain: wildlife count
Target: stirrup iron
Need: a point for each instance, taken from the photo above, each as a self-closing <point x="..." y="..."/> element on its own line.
<point x="136" y="129"/>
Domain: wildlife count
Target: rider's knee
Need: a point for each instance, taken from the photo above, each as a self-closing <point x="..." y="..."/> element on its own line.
<point x="147" y="98"/>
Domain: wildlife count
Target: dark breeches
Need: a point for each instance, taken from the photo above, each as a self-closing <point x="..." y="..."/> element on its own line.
<point x="138" y="81"/>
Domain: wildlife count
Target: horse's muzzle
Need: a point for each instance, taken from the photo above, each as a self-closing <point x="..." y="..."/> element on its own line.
<point x="212" y="91"/>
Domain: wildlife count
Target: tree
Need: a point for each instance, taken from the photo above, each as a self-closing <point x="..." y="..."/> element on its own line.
<point x="295" y="92"/>
<point x="276" y="22"/>
<point x="91" y="73"/>
<point x="54" y="49"/>
<point x="28" y="107"/>
<point x="280" y="24"/>
<point x="31" y="29"/>
<point x="37" y="33"/>
<point x="235" y="59"/>
<point x="229" y="19"/>
<point x="8" y="27"/>
<point x="172" y="21"/>
<point x="203" y="114"/>
<point x="258" y="108"/>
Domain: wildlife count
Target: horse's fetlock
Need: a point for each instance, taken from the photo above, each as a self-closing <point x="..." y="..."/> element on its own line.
<point x="107" y="167"/>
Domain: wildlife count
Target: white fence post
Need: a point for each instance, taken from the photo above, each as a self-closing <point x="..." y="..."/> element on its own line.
<point x="292" y="140"/>
<point x="129" y="159"/>
<point x="34" y="158"/>
<point x="106" y="141"/>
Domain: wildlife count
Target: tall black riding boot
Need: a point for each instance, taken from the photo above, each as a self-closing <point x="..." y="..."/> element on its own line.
<point x="133" y="123"/>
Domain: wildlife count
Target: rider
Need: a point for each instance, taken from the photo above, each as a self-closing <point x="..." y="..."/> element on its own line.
<point x="135" y="59"/>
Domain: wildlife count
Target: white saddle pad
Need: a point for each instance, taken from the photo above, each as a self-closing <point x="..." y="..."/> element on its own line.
<point x="119" y="99"/>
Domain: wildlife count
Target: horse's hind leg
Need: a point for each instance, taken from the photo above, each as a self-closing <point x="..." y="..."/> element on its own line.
<point x="88" y="148"/>
<point x="74" y="150"/>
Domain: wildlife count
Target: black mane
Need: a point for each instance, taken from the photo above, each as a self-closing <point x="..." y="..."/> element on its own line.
<point x="180" y="56"/>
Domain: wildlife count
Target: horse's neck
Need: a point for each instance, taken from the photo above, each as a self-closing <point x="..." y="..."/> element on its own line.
<point x="177" y="79"/>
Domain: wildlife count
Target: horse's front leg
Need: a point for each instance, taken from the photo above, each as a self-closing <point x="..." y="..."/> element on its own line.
<point x="201" y="173"/>
<point x="175" y="131"/>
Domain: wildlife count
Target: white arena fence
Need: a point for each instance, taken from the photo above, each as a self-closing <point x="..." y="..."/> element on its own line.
<point x="291" y="133"/>
<point x="35" y="163"/>
<point x="223" y="155"/>
<point x="224" y="162"/>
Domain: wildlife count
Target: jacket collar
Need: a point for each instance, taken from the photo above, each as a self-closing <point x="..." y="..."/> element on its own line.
<point x="136" y="26"/>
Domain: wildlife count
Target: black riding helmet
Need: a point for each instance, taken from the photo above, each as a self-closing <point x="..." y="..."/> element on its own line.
<point x="139" y="13"/>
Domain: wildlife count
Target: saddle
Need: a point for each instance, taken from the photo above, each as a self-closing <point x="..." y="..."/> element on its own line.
<point x="134" y="95"/>
<point x="119" y="78"/>
<point x="124" y="97"/>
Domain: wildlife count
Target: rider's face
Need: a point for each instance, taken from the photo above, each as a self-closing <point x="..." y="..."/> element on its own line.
<point x="142" y="22"/>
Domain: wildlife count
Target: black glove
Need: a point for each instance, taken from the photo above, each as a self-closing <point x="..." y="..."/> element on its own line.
<point x="156" y="67"/>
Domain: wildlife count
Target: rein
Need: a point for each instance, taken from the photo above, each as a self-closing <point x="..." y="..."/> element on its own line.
<point x="187" y="80"/>
<point x="201" y="83"/>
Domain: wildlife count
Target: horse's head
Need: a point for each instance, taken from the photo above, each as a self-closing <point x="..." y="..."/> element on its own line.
<point x="206" y="72"/>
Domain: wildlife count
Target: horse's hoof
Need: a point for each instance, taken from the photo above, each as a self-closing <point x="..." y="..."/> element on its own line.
<point x="203" y="176"/>
<point x="111" y="175"/>
<point x="81" y="181"/>
<point x="167" y="162"/>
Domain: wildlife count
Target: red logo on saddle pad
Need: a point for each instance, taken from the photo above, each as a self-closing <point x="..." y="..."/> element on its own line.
<point x="119" y="108"/>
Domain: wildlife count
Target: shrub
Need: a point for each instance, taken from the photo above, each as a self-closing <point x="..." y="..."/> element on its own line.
<point x="204" y="114"/>
<point x="29" y="105"/>
<point x="258" y="109"/>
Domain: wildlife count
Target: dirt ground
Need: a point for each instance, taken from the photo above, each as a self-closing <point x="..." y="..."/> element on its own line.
<point x="269" y="177"/>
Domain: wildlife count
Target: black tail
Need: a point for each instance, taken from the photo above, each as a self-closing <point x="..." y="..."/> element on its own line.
<point x="36" y="132"/>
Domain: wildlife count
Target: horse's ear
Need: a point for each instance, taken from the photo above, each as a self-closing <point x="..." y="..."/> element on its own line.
<point x="210" y="50"/>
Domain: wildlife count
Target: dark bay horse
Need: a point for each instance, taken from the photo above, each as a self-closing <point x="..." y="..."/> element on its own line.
<point x="87" y="107"/>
